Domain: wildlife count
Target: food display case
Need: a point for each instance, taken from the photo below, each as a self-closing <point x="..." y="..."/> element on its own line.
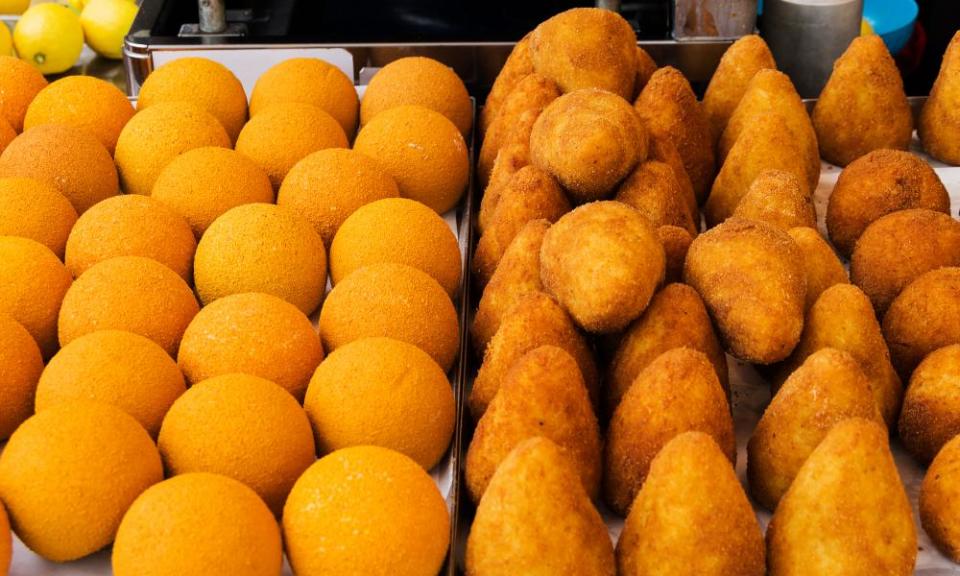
<point x="476" y="41"/>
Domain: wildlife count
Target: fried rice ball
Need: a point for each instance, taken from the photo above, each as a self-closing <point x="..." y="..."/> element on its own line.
<point x="33" y="283"/>
<point x="602" y="262"/>
<point x="924" y="317"/>
<point x="262" y="248"/>
<point x="646" y="66"/>
<point x="251" y="333"/>
<point x="779" y="198"/>
<point x="20" y="82"/>
<point x="83" y="102"/>
<point x="157" y="135"/>
<point x="931" y="407"/>
<point x="586" y="48"/>
<point x="204" y="183"/>
<point x="676" y="242"/>
<point x="518" y="66"/>
<point x="422" y="150"/>
<point x="670" y="110"/>
<point x="676" y="318"/>
<point x="940" y="117"/>
<point x="208" y="84"/>
<point x="328" y="186"/>
<point x="739" y="63"/>
<point x="661" y="149"/>
<point x="762" y="146"/>
<point x="751" y="277"/>
<point x="517" y="275"/>
<point x="532" y="93"/>
<point x="823" y="268"/>
<point x="863" y="106"/>
<point x="921" y="240"/>
<point x="396" y="301"/>
<point x="532" y="194"/>
<point x="421" y="81"/>
<point x="653" y="190"/>
<point x="589" y="140"/>
<point x="940" y="498"/>
<point x="285" y="133"/>
<point x="22" y="364"/>
<point x="34" y="209"/>
<point x="129" y="293"/>
<point x="876" y="184"/>
<point x="308" y="81"/>
<point x="131" y="225"/>
<point x="512" y="156"/>
<point x="381" y="232"/>
<point x="534" y="320"/>
<point x="71" y="159"/>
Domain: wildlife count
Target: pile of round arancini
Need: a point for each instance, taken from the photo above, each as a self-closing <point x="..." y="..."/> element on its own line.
<point x="173" y="358"/>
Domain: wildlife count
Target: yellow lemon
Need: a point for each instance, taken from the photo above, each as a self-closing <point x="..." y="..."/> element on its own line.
<point x="106" y="23"/>
<point x="13" y="6"/>
<point x="6" y="40"/>
<point x="865" y="28"/>
<point x="76" y="5"/>
<point x="50" y="37"/>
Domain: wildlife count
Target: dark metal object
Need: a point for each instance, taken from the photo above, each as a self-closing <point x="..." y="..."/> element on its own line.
<point x="213" y="16"/>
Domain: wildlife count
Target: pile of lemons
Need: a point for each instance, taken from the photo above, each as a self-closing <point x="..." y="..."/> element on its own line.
<point x="50" y="35"/>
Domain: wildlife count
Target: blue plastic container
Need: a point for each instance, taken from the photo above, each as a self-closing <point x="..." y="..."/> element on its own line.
<point x="892" y="20"/>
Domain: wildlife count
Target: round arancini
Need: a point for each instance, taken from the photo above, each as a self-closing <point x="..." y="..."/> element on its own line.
<point x="209" y="84"/>
<point x="308" y="81"/>
<point x="283" y="134"/>
<point x="203" y="183"/>
<point x="71" y="159"/>
<point x="421" y="81"/>
<point x="83" y="102"/>
<point x="131" y="225"/>
<point x="129" y="293"/>
<point x="381" y="232"/>
<point x="19" y="82"/>
<point x="252" y="333"/>
<point x="261" y="248"/>
<point x="157" y="135"/>
<point x="34" y="209"/>
<point x="396" y="301"/>
<point x="328" y="186"/>
<point x="422" y="150"/>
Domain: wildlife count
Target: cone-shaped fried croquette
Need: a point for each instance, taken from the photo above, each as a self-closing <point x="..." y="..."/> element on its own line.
<point x="751" y="277"/>
<point x="543" y="394"/>
<point x="536" y="518"/>
<point x="823" y="268"/>
<point x="691" y="517"/>
<point x="863" y="106"/>
<point x="939" y="125"/>
<point x="843" y="318"/>
<point x="670" y="110"/>
<point x="737" y="66"/>
<point x="677" y="392"/>
<point x="851" y="475"/>
<point x="826" y="389"/>
<point x="533" y="321"/>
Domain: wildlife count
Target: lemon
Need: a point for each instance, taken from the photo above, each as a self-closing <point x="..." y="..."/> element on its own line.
<point x="6" y="40"/>
<point x="13" y="6"/>
<point x="50" y="37"/>
<point x="106" y="23"/>
<point x="865" y="28"/>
